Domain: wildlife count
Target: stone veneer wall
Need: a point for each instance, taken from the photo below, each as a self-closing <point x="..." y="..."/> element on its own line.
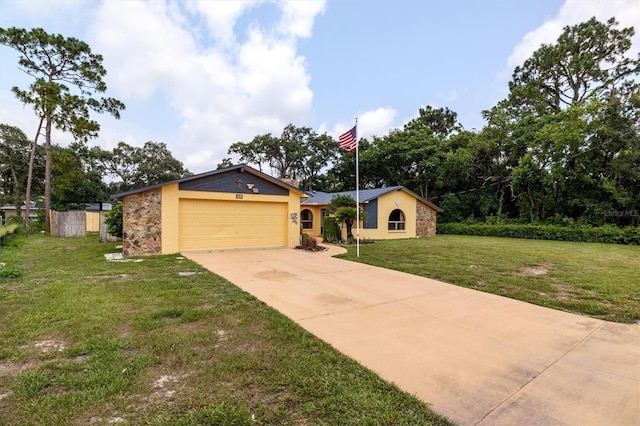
<point x="142" y="223"/>
<point x="425" y="220"/>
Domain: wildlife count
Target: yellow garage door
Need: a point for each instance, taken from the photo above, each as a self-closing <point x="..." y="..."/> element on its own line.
<point x="218" y="225"/>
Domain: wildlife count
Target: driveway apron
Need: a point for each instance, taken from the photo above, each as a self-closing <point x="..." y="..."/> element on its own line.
<point x="475" y="358"/>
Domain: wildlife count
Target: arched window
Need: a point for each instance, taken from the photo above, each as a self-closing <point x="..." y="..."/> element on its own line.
<point x="396" y="220"/>
<point x="306" y="218"/>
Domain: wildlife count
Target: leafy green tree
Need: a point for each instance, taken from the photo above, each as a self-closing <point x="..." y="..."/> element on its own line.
<point x="15" y="150"/>
<point x="119" y="164"/>
<point x="588" y="59"/>
<point x="320" y="152"/>
<point x="67" y="76"/>
<point x="157" y="165"/>
<point x="132" y="167"/>
<point x="441" y="122"/>
<point x="341" y="176"/>
<point x="286" y="154"/>
<point x="554" y="132"/>
<point x="410" y="157"/>
<point x="612" y="160"/>
<point x="299" y="153"/>
<point x="253" y="153"/>
<point x="75" y="179"/>
<point x="224" y="163"/>
<point x="343" y="207"/>
<point x="471" y="178"/>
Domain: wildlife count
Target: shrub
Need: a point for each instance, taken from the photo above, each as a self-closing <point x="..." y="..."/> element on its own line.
<point x="575" y="232"/>
<point x="113" y="220"/>
<point x="8" y="230"/>
<point x="330" y="229"/>
<point x="9" y="272"/>
<point x="308" y="242"/>
<point x="15" y="220"/>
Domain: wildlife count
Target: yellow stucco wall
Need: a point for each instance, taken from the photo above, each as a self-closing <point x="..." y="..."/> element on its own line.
<point x="171" y="196"/>
<point x="170" y="213"/>
<point x="386" y="204"/>
<point x="316" y="211"/>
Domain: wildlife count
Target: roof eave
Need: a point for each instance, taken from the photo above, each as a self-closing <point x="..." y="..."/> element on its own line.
<point x="243" y="167"/>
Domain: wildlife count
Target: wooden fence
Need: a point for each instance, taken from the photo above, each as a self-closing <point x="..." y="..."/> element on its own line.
<point x="76" y="223"/>
<point x="68" y="224"/>
<point x="105" y="237"/>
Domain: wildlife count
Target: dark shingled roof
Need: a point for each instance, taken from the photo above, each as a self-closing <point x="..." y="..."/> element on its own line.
<point x="323" y="198"/>
<point x="211" y="173"/>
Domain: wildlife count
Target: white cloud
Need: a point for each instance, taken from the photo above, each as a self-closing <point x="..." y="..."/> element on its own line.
<point x="626" y="12"/>
<point x="377" y="122"/>
<point x="221" y="16"/>
<point x="144" y="49"/>
<point x="299" y="17"/>
<point x="221" y="90"/>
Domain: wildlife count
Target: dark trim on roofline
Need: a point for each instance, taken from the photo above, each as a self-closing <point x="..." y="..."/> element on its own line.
<point x="424" y="200"/>
<point x="378" y="195"/>
<point x="242" y="167"/>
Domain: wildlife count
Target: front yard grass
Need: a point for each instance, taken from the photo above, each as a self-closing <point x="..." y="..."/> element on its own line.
<point x="598" y="280"/>
<point x="164" y="342"/>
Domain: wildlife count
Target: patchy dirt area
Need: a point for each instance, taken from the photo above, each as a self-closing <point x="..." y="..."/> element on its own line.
<point x="108" y="277"/>
<point x="112" y="420"/>
<point x="13" y="368"/>
<point x="535" y="270"/>
<point x="166" y="386"/>
<point x="48" y="346"/>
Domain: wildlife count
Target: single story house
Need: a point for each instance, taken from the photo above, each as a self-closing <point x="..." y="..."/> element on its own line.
<point x="233" y="208"/>
<point x="242" y="208"/>
<point x="393" y="212"/>
<point x="7" y="212"/>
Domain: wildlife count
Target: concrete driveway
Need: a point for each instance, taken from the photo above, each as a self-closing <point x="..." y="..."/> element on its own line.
<point x="476" y="358"/>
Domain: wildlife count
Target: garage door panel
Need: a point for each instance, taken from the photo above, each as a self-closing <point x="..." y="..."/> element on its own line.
<point x="217" y="225"/>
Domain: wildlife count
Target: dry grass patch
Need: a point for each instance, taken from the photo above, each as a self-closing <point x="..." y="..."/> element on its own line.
<point x="598" y="280"/>
<point x="535" y="270"/>
<point x="138" y="343"/>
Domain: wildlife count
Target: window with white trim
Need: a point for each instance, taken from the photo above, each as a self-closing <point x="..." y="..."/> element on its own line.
<point x="306" y="218"/>
<point x="396" y="220"/>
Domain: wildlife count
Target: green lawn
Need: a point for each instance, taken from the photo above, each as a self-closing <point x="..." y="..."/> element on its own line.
<point x="86" y="341"/>
<point x="598" y="280"/>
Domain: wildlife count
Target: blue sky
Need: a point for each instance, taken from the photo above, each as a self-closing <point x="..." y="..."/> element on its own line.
<point x="200" y="76"/>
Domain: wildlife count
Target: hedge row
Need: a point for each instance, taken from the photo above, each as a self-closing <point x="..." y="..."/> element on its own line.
<point x="589" y="234"/>
<point x="7" y="230"/>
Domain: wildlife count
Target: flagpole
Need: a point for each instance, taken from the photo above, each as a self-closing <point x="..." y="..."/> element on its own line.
<point x="357" y="196"/>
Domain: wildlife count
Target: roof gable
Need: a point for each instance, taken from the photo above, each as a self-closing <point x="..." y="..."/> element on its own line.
<point x="323" y="198"/>
<point x="237" y="181"/>
<point x="207" y="182"/>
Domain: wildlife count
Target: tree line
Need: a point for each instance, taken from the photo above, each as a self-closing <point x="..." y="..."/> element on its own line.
<point x="563" y="146"/>
<point x="81" y="174"/>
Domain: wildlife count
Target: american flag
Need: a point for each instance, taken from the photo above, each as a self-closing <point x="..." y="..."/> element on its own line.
<point x="348" y="140"/>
